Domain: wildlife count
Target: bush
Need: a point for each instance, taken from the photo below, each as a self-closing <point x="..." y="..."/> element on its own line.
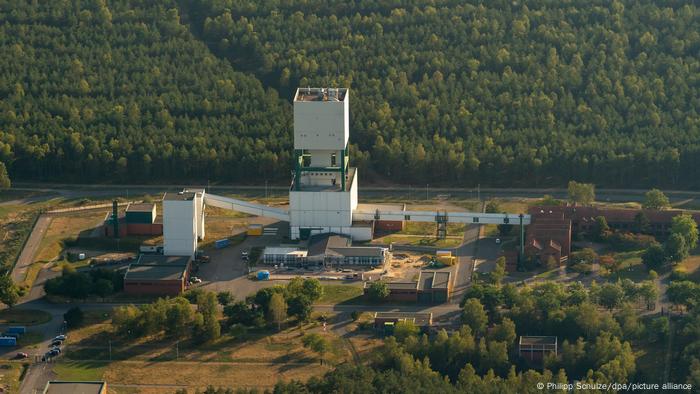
<point x="624" y="241"/>
<point x="678" y="275"/>
<point x="101" y="282"/>
<point x="582" y="268"/>
<point x="74" y="317"/>
<point x="377" y="291"/>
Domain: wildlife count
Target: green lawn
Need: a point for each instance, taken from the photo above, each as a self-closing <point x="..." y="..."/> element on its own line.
<point x="335" y="294"/>
<point x="79" y="370"/>
<point x="631" y="266"/>
<point x="421" y="241"/>
<point x="26" y="317"/>
<point x="30" y="339"/>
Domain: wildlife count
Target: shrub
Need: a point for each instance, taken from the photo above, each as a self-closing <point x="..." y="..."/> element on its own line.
<point x="624" y="241"/>
<point x="74" y="317"/>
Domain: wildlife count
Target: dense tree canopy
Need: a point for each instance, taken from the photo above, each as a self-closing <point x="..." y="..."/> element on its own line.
<point x="499" y="92"/>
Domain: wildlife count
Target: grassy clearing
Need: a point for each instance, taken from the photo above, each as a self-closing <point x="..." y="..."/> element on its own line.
<point x="202" y="374"/>
<point x="26" y="317"/>
<point x="80" y="370"/>
<point x="631" y="266"/>
<point x="30" y="339"/>
<point x="420" y="228"/>
<point x="225" y="362"/>
<point x="335" y="294"/>
<point x="66" y="227"/>
<point x="420" y="241"/>
<point x="10" y="373"/>
<point x="691" y="267"/>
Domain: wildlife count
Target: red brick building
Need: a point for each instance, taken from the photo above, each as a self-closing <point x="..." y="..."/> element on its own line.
<point x="157" y="275"/>
<point x="551" y="227"/>
<point x="139" y="219"/>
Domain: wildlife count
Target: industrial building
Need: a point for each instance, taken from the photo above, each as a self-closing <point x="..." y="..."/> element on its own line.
<point x="330" y="250"/>
<point x="69" y="387"/>
<point x="431" y="287"/>
<point x="139" y="219"/>
<point x="183" y="222"/>
<point x="157" y="275"/>
<point x="323" y="192"/>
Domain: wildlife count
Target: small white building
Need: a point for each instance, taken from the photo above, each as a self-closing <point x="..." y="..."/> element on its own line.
<point x="183" y="222"/>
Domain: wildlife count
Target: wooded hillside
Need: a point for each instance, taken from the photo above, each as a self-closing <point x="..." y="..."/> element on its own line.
<point x="530" y="93"/>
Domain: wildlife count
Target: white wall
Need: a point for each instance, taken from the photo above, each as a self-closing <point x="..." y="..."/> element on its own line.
<point x="320" y="209"/>
<point x="322" y="125"/>
<point x="179" y="228"/>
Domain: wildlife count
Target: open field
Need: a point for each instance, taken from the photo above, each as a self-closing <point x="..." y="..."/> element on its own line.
<point x="226" y="362"/>
<point x="68" y="226"/>
<point x="335" y="294"/>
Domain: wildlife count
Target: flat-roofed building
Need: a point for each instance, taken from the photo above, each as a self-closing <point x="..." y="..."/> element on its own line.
<point x="69" y="387"/>
<point x="158" y="275"/>
<point x="534" y="348"/>
<point x="431" y="287"/>
<point x="138" y="219"/>
<point x="386" y="320"/>
<point x="284" y="255"/>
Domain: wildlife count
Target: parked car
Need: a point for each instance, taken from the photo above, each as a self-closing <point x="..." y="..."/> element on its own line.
<point x="195" y="279"/>
<point x="61" y="337"/>
<point x="244" y="255"/>
<point x="498" y="241"/>
<point x="56" y="343"/>
<point x="21" y="355"/>
<point x="52" y="353"/>
<point x="56" y="349"/>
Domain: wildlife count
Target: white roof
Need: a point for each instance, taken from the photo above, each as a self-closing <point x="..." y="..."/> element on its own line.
<point x="276" y="250"/>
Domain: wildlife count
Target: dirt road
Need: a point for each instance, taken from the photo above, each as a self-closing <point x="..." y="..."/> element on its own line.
<point x="26" y="258"/>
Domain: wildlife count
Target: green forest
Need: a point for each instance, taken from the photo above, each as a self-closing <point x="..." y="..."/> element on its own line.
<point x="451" y="92"/>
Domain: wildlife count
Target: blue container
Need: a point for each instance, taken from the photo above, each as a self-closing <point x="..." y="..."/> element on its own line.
<point x="17" y="329"/>
<point x="8" y="341"/>
<point x="263" y="275"/>
<point x="222" y="243"/>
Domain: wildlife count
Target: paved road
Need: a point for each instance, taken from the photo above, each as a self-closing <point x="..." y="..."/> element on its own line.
<point x="26" y="257"/>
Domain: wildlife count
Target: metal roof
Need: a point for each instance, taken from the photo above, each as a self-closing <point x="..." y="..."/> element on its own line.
<point x="141" y="207"/>
<point x="60" y="387"/>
